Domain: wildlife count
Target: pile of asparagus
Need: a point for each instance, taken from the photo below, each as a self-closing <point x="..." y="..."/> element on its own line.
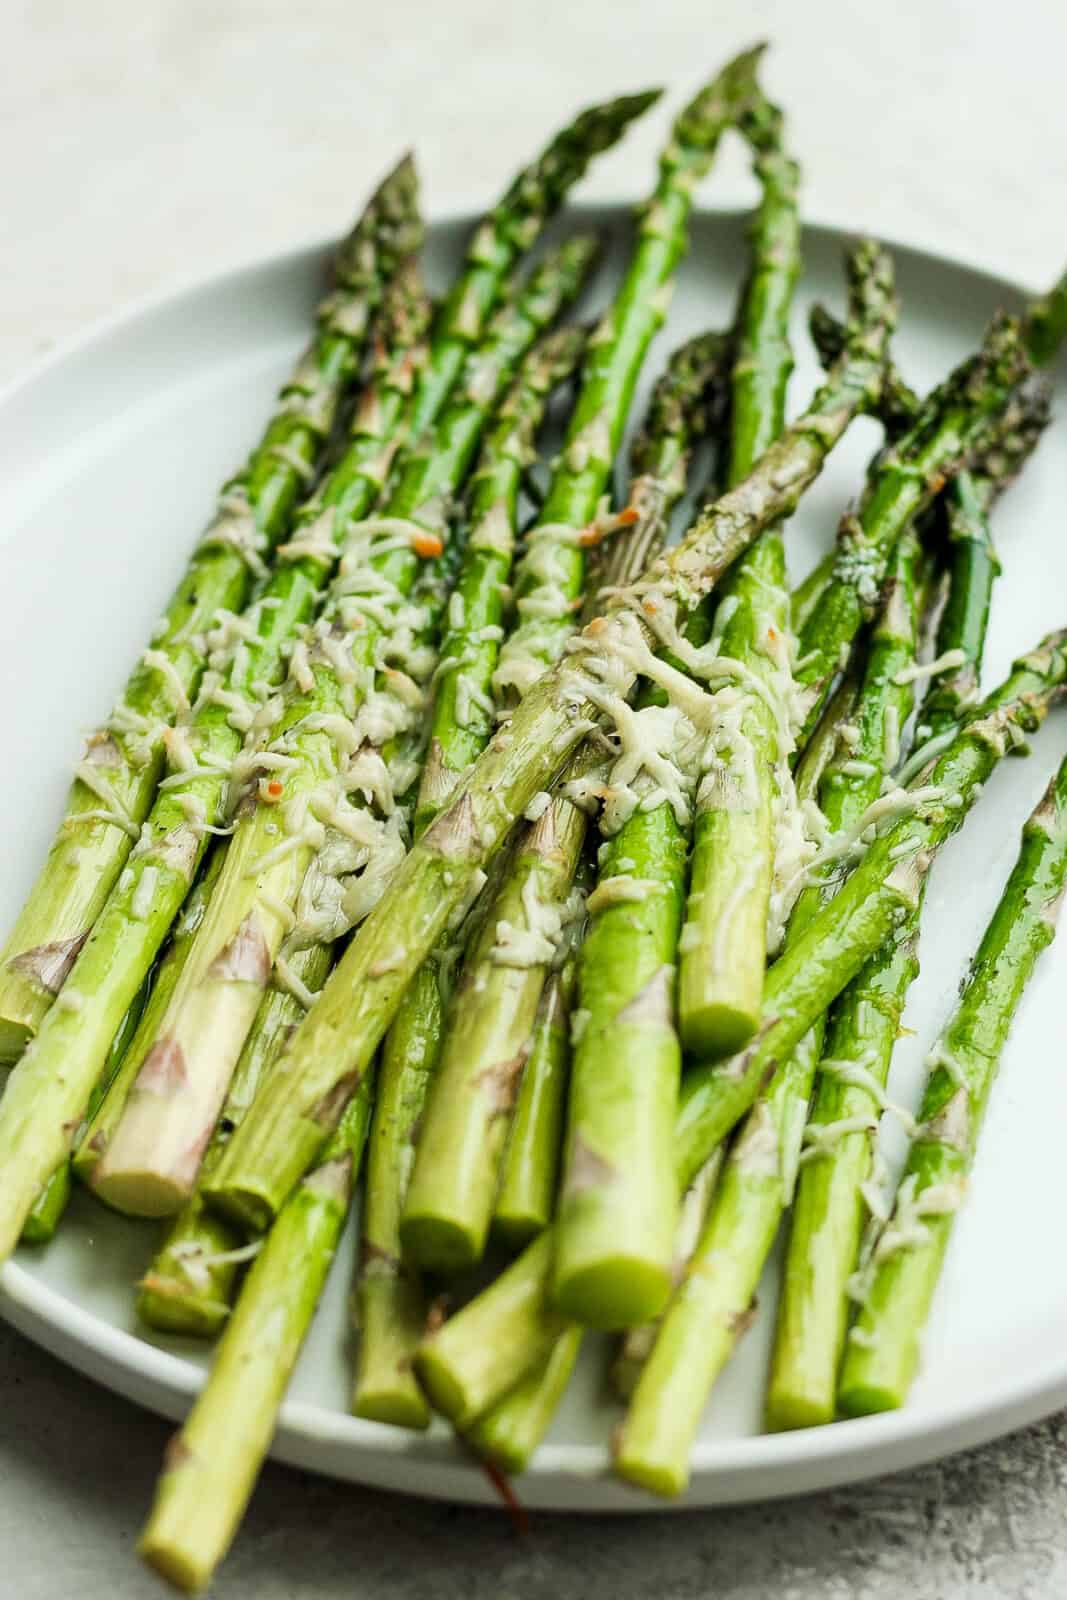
<point x="565" y="879"/>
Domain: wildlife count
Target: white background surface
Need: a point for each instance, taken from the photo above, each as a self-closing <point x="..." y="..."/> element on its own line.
<point x="143" y="142"/>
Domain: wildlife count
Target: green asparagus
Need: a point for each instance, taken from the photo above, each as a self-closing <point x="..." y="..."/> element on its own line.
<point x="831" y="1197"/>
<point x="47" y="1213"/>
<point x="457" y="1170"/>
<point x="189" y="1286"/>
<point x="551" y="575"/>
<point x="102" y="1121"/>
<point x="711" y="1307"/>
<point x="973" y="561"/>
<point x="897" y="1288"/>
<point x="462" y="712"/>
<point x="333" y="1049"/>
<point x="955" y="424"/>
<point x="470" y="1363"/>
<point x="619" y="1203"/>
<point x="391" y="1307"/>
<point x="686" y="402"/>
<point x="237" y="698"/>
<point x="509" y="1433"/>
<point x="333" y="709"/>
<point x="116" y="781"/>
<point x="212" y="1463"/>
<point x="745" y="767"/>
<point x="815" y="967"/>
<point x="526" y="1197"/>
<point x="449" y="1201"/>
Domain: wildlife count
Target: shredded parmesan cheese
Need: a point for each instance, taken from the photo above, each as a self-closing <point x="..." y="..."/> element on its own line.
<point x="292" y="983"/>
<point x="144" y="894"/>
<point x="920" y="671"/>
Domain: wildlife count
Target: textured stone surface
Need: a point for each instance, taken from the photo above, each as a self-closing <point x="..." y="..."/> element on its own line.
<point x="141" y="144"/>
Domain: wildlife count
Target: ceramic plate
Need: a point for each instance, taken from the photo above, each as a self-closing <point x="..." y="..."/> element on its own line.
<point x="112" y="452"/>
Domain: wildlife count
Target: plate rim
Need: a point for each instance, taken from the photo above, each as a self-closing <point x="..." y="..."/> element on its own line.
<point x="750" y="1468"/>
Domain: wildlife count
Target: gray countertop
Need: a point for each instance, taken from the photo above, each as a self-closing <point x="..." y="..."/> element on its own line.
<point x="144" y="143"/>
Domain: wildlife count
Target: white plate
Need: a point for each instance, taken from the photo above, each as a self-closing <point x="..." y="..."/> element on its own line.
<point x="112" y="452"/>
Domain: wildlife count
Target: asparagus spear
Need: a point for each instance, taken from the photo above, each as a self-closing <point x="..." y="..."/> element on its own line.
<point x="509" y="1433"/>
<point x="619" y="1202"/>
<point x="711" y="1307"/>
<point x="638" y="1342"/>
<point x="333" y="1049"/>
<point x="470" y="1363"/>
<point x="390" y="1304"/>
<point x="116" y="781"/>
<point x="551" y="574"/>
<point x="830" y="1203"/>
<point x="973" y="561"/>
<point x="462" y="719"/>
<point x="720" y="979"/>
<point x="686" y="401"/>
<point x="457" y="1168"/>
<point x="807" y="594"/>
<point x="152" y="1161"/>
<point x="66" y="1057"/>
<point x="212" y="1463"/>
<point x="506" y="233"/>
<point x="52" y="1202"/>
<point x="178" y="820"/>
<point x="189" y="1285"/>
<point x="449" y="1202"/>
<point x="882" y="1351"/>
<point x="391" y="1307"/>
<point x="526" y="1196"/>
<point x="810" y="1336"/>
<point x="103" y="1118"/>
<point x="815" y="966"/>
<point x="954" y="426"/>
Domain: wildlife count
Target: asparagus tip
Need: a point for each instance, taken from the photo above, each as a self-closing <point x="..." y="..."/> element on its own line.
<point x="642" y="100"/>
